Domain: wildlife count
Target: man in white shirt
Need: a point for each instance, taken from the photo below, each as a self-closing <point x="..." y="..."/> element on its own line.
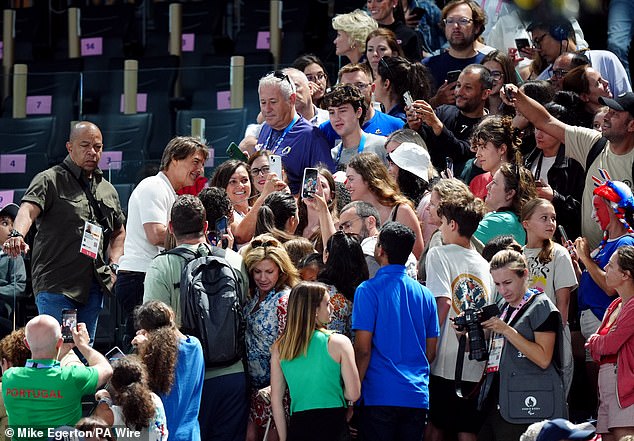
<point x="148" y="215"/>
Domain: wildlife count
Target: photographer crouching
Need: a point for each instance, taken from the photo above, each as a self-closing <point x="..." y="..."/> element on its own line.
<point x="523" y="380"/>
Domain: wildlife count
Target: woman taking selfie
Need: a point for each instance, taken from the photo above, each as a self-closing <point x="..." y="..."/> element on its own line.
<point x="317" y="366"/>
<point x="523" y="381"/>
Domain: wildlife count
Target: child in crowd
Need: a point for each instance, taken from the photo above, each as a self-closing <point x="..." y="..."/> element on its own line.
<point x="550" y="268"/>
<point x="12" y="272"/>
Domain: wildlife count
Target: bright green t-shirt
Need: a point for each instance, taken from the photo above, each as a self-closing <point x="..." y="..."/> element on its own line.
<point x="47" y="396"/>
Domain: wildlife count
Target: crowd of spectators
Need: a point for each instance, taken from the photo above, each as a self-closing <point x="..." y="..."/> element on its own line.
<point x="399" y="270"/>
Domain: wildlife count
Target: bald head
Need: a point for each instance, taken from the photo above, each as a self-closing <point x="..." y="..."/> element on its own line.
<point x="80" y="127"/>
<point x="43" y="336"/>
<point x="85" y="145"/>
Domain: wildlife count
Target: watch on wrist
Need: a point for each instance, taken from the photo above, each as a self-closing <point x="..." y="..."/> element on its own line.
<point x="15" y="233"/>
<point x="114" y="267"/>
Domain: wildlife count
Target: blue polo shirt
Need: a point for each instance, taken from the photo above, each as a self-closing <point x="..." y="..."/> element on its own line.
<point x="401" y="314"/>
<point x="380" y="124"/>
<point x="301" y="147"/>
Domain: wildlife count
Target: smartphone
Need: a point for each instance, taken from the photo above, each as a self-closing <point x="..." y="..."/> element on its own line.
<point x="453" y="75"/>
<point x="418" y="13"/>
<point x="69" y="322"/>
<point x="221" y="225"/>
<point x="508" y="93"/>
<point x="407" y="97"/>
<point x="114" y="354"/>
<point x="449" y="164"/>
<point x="221" y="229"/>
<point x="275" y="165"/>
<point x="522" y="43"/>
<point x="562" y="231"/>
<point x="310" y="182"/>
<point x="234" y="152"/>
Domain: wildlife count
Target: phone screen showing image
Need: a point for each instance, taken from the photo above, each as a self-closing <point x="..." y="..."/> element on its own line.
<point x="69" y="322"/>
<point x="310" y="182"/>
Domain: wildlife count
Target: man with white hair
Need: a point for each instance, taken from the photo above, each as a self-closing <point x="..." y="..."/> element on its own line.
<point x="43" y="394"/>
<point x="288" y="134"/>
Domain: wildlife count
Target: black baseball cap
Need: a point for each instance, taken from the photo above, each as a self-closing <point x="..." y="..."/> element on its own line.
<point x="622" y="103"/>
<point x="10" y="210"/>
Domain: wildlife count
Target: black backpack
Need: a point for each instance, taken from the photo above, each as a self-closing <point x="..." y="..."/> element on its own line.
<point x="211" y="309"/>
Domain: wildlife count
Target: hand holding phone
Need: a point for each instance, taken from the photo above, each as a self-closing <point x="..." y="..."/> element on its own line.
<point x="452" y="76"/>
<point x="407" y="97"/>
<point x="69" y="322"/>
<point x="310" y="182"/>
<point x="275" y="165"/>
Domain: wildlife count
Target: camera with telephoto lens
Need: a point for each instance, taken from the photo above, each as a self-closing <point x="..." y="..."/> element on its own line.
<point x="471" y="322"/>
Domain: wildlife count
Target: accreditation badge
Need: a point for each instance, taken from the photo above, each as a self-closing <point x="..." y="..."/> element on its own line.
<point x="495" y="354"/>
<point x="90" y="240"/>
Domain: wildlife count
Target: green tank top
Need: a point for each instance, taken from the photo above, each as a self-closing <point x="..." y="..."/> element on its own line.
<point x="314" y="380"/>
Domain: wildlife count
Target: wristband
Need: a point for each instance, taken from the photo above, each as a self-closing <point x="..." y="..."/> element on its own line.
<point x="15" y="233"/>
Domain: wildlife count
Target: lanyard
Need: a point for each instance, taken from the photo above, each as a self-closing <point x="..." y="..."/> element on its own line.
<point x="37" y="365"/>
<point x="525" y="300"/>
<point x="281" y="138"/>
<point x="359" y="149"/>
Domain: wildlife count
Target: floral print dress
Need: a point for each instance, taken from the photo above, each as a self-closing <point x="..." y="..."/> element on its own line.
<point x="266" y="321"/>
<point x="341" y="318"/>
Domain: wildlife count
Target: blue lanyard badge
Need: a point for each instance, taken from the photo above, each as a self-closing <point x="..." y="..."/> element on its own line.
<point x="281" y="138"/>
<point x="359" y="149"/>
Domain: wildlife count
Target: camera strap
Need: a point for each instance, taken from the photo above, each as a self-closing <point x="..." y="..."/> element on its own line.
<point x="462" y="344"/>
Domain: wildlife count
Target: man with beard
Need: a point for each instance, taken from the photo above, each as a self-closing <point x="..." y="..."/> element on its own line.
<point x="362" y="219"/>
<point x="447" y="129"/>
<point x="615" y="158"/>
<point x="463" y="22"/>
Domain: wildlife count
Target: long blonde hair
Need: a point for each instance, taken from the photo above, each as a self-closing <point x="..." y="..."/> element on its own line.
<point x="303" y="302"/>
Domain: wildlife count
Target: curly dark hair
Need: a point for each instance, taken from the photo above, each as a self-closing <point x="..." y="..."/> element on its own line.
<point x="13" y="349"/>
<point x="131" y="392"/>
<point x="346" y="94"/>
<point x="216" y="203"/>
<point x="160" y="353"/>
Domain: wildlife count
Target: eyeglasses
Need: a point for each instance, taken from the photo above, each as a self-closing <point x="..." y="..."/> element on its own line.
<point x="537" y="41"/>
<point x="255" y="172"/>
<point x="263" y="244"/>
<point x="462" y="21"/>
<point x="316" y="77"/>
<point x="346" y="225"/>
<point x="497" y="75"/>
<point x="559" y="73"/>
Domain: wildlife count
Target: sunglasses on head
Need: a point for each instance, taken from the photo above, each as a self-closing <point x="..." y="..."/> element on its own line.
<point x="264" y="244"/>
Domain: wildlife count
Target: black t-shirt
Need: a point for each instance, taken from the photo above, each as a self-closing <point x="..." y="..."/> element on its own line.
<point x="408" y="39"/>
